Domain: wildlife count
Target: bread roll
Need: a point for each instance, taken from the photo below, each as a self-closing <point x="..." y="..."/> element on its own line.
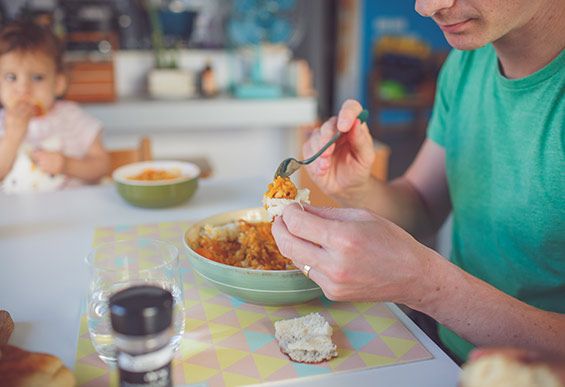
<point x="501" y="370"/>
<point x="306" y="339"/>
<point x="19" y="368"/>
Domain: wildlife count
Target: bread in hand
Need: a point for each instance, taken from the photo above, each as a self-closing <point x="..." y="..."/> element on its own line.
<point x="306" y="339"/>
<point x="19" y="368"/>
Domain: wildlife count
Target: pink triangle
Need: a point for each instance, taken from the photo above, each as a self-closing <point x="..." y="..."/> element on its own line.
<point x="229" y="318"/>
<point x="206" y="358"/>
<point x="345" y="306"/>
<point x="201" y="334"/>
<point x="93" y="360"/>
<point x="178" y="374"/>
<point x="416" y="353"/>
<point x="286" y="372"/>
<point x="216" y="381"/>
<point x="253" y="308"/>
<point x="340" y="340"/>
<point x="196" y="312"/>
<point x="264" y="326"/>
<point x="359" y="324"/>
<point x="101" y="381"/>
<point x="380" y="310"/>
<point x="352" y="362"/>
<point x="377" y="347"/>
<point x="284" y="313"/>
<point x="235" y="342"/>
<point x="191" y="293"/>
<point x="246" y="367"/>
<point x="220" y="299"/>
<point x="271" y="349"/>
<point x="399" y="331"/>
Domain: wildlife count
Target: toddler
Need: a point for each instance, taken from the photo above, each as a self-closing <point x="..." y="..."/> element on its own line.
<point x="45" y="144"/>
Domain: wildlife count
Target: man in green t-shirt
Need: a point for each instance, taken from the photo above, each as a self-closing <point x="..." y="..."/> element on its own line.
<point x="494" y="158"/>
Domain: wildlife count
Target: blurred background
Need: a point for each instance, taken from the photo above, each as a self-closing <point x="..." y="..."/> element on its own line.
<point x="240" y="83"/>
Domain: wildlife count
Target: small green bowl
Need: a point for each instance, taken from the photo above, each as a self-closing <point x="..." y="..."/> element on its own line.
<point x="263" y="287"/>
<point x="157" y="193"/>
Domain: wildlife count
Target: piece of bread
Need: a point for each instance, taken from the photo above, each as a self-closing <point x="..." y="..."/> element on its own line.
<point x="6" y="327"/>
<point x="306" y="339"/>
<point x="275" y="206"/>
<point x="501" y="370"/>
<point x="19" y="368"/>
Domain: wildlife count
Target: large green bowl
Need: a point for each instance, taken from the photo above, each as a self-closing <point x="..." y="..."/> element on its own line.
<point x="158" y="193"/>
<point x="263" y="287"/>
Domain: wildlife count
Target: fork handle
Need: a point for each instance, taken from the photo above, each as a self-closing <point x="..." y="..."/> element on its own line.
<point x="329" y="143"/>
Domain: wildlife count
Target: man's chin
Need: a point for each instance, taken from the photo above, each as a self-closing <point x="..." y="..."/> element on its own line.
<point x="464" y="42"/>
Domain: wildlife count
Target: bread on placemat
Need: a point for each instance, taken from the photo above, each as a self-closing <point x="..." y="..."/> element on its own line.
<point x="306" y="339"/>
<point x="501" y="370"/>
<point x="19" y="368"/>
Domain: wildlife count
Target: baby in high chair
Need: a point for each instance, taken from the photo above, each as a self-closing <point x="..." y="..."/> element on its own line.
<point x="45" y="144"/>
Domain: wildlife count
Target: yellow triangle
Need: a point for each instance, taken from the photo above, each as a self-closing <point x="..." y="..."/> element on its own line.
<point x="379" y="324"/>
<point x="192" y="324"/>
<point x="207" y="292"/>
<point x="221" y="331"/>
<point x="83" y="325"/>
<point x="84" y="348"/>
<point x="266" y="365"/>
<point x="228" y="356"/>
<point x="84" y="373"/>
<point x="247" y="318"/>
<point x="102" y="234"/>
<point x="195" y="374"/>
<point x="375" y="360"/>
<point x="144" y="230"/>
<point x="190" y="348"/>
<point x="363" y="306"/>
<point x="213" y="311"/>
<point x="189" y="303"/>
<point x="342" y="317"/>
<point x="343" y="355"/>
<point x="233" y="379"/>
<point x="272" y="309"/>
<point x="398" y="346"/>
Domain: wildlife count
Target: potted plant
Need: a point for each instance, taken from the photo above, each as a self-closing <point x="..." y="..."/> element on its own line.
<point x="166" y="79"/>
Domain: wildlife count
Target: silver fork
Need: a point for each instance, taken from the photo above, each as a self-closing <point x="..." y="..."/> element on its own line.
<point x="288" y="166"/>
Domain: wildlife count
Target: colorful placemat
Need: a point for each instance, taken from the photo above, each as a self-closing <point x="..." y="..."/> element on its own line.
<point x="229" y="343"/>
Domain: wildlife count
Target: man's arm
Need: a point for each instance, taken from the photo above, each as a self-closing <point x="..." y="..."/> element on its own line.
<point x="485" y="316"/>
<point x="418" y="201"/>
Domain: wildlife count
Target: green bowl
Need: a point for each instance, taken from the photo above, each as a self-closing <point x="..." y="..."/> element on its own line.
<point x="263" y="287"/>
<point x="157" y="193"/>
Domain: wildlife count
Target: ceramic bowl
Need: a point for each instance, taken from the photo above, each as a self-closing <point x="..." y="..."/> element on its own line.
<point x="156" y="193"/>
<point x="263" y="287"/>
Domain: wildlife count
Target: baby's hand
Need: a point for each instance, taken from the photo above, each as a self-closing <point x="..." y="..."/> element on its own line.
<point x="17" y="119"/>
<point x="49" y="162"/>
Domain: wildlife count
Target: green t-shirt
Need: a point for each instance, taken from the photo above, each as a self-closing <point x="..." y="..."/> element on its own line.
<point x="504" y="142"/>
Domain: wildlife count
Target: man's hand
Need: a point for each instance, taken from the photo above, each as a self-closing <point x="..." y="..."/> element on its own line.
<point x="49" y="162"/>
<point x="345" y="165"/>
<point x="354" y="254"/>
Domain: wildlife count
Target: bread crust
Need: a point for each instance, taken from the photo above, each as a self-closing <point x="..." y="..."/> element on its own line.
<point x="20" y="368"/>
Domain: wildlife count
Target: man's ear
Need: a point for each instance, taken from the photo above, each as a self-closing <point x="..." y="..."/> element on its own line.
<point x="61" y="84"/>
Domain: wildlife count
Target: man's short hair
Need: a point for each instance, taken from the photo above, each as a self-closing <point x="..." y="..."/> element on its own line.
<point x="25" y="36"/>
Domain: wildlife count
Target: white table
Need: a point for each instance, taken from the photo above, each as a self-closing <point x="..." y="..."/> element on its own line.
<point x="43" y="279"/>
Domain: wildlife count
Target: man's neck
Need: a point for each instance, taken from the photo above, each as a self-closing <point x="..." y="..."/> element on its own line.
<point x="532" y="46"/>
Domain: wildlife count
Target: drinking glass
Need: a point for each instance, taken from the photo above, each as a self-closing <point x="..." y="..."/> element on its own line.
<point x="121" y="264"/>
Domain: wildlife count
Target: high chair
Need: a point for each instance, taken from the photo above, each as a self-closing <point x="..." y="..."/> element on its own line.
<point x="121" y="157"/>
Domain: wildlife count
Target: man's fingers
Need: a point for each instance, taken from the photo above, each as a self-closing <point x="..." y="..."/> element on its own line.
<point x="308" y="226"/>
<point x="341" y="214"/>
<point x="300" y="251"/>
<point x="348" y="115"/>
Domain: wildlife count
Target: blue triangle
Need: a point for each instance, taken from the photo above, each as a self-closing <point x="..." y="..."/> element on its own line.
<point x="257" y="340"/>
<point x="303" y="369"/>
<point x="236" y="302"/>
<point x="358" y="339"/>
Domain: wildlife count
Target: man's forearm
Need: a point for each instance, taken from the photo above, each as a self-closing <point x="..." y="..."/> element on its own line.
<point x="485" y="316"/>
<point x="397" y="201"/>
